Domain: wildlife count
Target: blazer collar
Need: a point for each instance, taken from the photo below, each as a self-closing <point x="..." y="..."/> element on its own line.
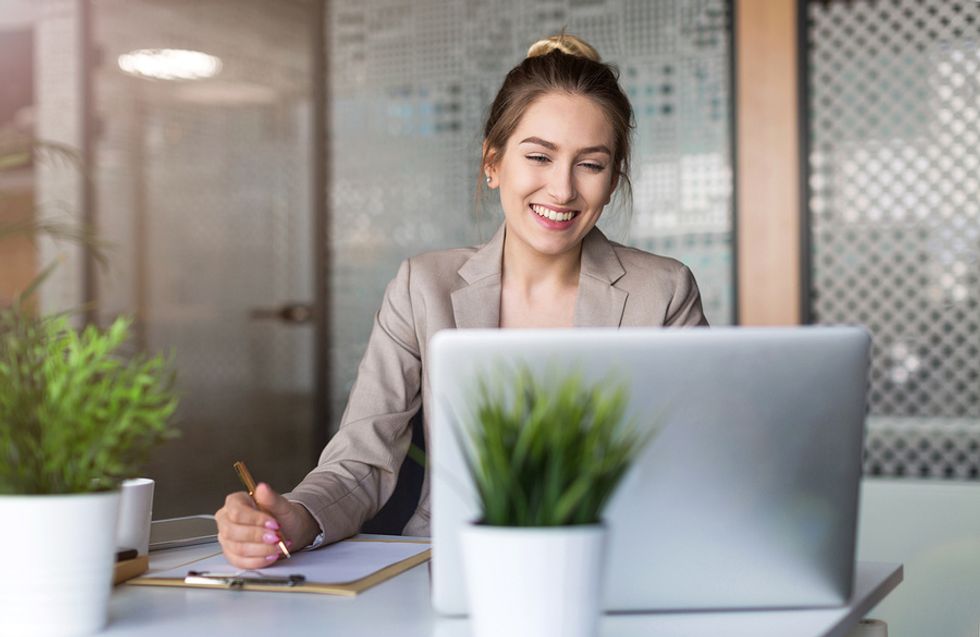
<point x="599" y="303"/>
<point x="477" y="304"/>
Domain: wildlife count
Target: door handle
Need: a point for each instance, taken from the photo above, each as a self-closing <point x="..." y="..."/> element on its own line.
<point x="292" y="313"/>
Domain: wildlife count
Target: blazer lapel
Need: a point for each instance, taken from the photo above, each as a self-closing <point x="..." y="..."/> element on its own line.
<point x="477" y="304"/>
<point x="599" y="303"/>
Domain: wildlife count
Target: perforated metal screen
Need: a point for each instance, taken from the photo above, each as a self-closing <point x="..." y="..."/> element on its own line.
<point x="411" y="81"/>
<point x="894" y="111"/>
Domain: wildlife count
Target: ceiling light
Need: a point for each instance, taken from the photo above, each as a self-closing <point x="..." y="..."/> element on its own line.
<point x="170" y="64"/>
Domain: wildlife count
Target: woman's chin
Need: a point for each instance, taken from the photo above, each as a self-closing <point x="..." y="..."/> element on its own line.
<point x="555" y="246"/>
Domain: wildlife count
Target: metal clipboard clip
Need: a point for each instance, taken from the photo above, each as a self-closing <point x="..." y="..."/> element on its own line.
<point x="240" y="579"/>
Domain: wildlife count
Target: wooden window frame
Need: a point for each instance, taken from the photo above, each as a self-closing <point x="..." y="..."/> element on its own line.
<point x="770" y="214"/>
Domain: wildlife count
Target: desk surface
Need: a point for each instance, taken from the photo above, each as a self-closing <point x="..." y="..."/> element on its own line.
<point x="401" y="607"/>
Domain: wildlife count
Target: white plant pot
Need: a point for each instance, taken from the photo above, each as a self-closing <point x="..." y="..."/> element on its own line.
<point x="59" y="552"/>
<point x="534" y="582"/>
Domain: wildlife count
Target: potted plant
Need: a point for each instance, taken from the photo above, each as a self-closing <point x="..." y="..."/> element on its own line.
<point x="76" y="418"/>
<point x="545" y="458"/>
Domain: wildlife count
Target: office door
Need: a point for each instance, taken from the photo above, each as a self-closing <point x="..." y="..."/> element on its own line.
<point x="204" y="185"/>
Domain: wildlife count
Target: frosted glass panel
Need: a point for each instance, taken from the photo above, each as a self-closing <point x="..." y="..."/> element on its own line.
<point x="204" y="187"/>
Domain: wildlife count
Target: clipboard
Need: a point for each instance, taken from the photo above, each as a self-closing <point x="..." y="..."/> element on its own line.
<point x="293" y="582"/>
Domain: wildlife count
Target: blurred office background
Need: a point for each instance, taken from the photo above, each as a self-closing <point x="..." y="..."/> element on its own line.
<point x="259" y="193"/>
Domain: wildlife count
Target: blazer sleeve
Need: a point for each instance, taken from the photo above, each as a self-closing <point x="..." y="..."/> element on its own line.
<point x="685" y="308"/>
<point x="358" y="469"/>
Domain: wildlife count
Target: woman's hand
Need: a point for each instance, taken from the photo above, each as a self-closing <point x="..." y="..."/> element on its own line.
<point x="248" y="535"/>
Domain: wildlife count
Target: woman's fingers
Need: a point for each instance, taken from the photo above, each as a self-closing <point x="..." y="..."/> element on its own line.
<point x="250" y="549"/>
<point x="250" y="563"/>
<point x="239" y="509"/>
<point x="248" y="536"/>
<point x="271" y="501"/>
<point x="295" y="521"/>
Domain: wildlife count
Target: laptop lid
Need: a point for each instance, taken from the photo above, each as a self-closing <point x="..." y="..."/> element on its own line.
<point x="748" y="496"/>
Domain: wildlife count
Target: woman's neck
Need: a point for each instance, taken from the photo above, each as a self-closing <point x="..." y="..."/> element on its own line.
<point x="526" y="269"/>
<point x="537" y="290"/>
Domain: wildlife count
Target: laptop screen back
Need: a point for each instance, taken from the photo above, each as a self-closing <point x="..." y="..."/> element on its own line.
<point x="747" y="498"/>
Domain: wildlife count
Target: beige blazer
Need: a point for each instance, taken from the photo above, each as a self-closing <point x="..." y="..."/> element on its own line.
<point x="358" y="469"/>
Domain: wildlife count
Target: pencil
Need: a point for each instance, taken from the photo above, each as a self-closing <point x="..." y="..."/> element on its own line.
<point x="249" y="483"/>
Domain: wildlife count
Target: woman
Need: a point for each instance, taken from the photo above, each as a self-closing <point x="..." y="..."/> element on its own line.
<point x="556" y="145"/>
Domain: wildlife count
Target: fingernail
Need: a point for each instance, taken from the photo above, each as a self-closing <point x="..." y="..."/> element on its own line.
<point x="271" y="558"/>
<point x="289" y="543"/>
<point x="270" y="538"/>
<point x="272" y="524"/>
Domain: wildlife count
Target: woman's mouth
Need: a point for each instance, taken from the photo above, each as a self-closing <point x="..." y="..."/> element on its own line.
<point x="562" y="217"/>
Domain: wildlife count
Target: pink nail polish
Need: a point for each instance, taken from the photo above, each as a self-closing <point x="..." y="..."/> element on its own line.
<point x="289" y="544"/>
<point x="272" y="524"/>
<point x="269" y="538"/>
<point x="271" y="558"/>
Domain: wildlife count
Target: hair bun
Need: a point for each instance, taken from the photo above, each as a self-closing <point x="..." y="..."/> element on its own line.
<point x="566" y="43"/>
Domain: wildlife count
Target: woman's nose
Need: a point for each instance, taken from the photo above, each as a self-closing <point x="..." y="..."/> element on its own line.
<point x="561" y="185"/>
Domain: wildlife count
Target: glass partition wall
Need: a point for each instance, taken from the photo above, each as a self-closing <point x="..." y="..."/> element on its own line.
<point x="207" y="184"/>
<point x="203" y="186"/>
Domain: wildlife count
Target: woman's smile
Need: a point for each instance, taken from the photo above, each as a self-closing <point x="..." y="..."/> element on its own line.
<point x="554" y="217"/>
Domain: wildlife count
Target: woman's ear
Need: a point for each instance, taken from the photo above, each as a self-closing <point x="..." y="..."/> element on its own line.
<point x="490" y="167"/>
<point x="612" y="187"/>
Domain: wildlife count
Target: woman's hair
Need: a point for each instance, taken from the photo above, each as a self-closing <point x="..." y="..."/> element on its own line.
<point x="562" y="63"/>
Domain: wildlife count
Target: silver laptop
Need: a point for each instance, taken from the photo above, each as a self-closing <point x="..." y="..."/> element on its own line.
<point x="747" y="498"/>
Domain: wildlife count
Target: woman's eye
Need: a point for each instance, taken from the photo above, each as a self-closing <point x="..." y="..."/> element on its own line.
<point x="594" y="167"/>
<point x="540" y="159"/>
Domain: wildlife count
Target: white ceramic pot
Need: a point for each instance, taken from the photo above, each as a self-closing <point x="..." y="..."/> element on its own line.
<point x="59" y="552"/>
<point x="534" y="582"/>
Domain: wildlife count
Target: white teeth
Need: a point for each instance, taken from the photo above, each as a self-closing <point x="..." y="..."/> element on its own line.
<point x="548" y="213"/>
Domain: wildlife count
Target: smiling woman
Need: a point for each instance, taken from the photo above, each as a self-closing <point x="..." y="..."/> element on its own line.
<point x="556" y="146"/>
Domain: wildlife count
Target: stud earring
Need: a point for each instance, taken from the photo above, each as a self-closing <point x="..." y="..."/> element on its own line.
<point x="488" y="180"/>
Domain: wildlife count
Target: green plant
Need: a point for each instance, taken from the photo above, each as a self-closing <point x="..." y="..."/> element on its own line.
<point x="75" y="416"/>
<point x="18" y="152"/>
<point x="548" y="453"/>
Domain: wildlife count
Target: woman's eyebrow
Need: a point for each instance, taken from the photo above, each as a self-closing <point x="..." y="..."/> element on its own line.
<point x="551" y="146"/>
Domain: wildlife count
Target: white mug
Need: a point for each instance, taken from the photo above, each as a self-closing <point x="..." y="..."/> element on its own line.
<point x="135" y="513"/>
<point x="870" y="628"/>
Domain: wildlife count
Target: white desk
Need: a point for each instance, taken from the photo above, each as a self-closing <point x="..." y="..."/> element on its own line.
<point x="400" y="608"/>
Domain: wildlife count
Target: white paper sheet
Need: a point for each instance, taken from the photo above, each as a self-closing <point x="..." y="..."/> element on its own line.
<point x="339" y="563"/>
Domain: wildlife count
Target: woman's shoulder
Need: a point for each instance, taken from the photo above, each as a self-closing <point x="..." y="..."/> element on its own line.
<point x="640" y="262"/>
<point x="442" y="260"/>
<point x="658" y="286"/>
<point x="436" y="270"/>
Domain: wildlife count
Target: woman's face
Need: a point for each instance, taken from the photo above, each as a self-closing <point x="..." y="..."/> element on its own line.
<point x="556" y="173"/>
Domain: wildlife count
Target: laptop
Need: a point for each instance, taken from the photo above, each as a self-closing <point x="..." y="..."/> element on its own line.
<point x="746" y="499"/>
<point x="183" y="531"/>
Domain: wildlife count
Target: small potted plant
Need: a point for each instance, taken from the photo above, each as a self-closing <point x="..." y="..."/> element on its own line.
<point x="76" y="418"/>
<point x="545" y="457"/>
